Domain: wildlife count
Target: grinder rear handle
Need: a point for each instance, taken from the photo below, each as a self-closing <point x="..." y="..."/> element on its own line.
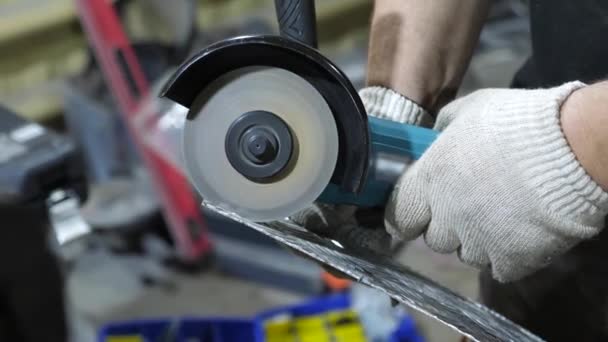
<point x="297" y="20"/>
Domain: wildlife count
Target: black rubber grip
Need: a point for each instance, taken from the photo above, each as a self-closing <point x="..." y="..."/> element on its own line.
<point x="297" y="20"/>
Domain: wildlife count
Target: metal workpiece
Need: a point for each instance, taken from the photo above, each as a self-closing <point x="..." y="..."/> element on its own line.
<point x="470" y="318"/>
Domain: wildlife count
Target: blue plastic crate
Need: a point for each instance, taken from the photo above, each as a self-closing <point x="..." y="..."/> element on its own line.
<point x="219" y="330"/>
<point x="148" y="329"/>
<point x="186" y="329"/>
<point x="238" y="329"/>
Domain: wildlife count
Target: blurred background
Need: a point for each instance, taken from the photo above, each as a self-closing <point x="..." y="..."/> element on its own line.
<point x="89" y="153"/>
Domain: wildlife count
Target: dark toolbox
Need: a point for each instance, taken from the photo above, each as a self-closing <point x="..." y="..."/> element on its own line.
<point x="41" y="186"/>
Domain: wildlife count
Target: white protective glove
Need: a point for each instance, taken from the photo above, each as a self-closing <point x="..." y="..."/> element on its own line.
<point x="500" y="185"/>
<point x="387" y="104"/>
<point x="359" y="227"/>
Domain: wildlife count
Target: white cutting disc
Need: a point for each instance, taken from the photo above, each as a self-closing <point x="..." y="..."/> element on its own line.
<point x="301" y="107"/>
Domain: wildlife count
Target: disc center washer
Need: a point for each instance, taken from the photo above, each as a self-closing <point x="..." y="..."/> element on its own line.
<point x="259" y="145"/>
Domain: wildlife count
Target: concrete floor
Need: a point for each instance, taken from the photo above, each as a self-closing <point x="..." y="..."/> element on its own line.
<point x="104" y="288"/>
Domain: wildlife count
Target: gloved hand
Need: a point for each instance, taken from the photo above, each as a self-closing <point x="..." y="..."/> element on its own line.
<point x="500" y="185"/>
<point x="363" y="227"/>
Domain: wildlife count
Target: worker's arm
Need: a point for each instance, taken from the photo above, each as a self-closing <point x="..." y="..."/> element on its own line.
<point x="585" y="125"/>
<point x="421" y="49"/>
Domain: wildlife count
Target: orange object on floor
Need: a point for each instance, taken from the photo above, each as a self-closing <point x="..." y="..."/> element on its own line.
<point x="335" y="284"/>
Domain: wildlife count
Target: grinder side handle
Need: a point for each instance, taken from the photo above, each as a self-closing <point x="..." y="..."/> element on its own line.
<point x="297" y="20"/>
<point x="394" y="147"/>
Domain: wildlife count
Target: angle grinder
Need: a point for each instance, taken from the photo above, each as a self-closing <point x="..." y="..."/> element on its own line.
<point x="274" y="126"/>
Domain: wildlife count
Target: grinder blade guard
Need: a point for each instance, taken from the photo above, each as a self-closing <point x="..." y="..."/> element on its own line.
<point x="271" y="123"/>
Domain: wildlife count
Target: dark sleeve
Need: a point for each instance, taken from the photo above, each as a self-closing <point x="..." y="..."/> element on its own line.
<point x="568" y="43"/>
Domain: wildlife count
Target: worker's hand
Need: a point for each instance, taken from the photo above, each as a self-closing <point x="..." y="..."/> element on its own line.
<point x="501" y="185"/>
<point x="358" y="227"/>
